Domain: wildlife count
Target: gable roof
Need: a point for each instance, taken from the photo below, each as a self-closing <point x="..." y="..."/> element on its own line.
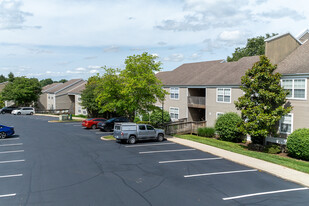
<point x="77" y="89"/>
<point x="282" y="35"/>
<point x="209" y="73"/>
<point x="297" y="62"/>
<point x="50" y="86"/>
<point x="62" y="86"/>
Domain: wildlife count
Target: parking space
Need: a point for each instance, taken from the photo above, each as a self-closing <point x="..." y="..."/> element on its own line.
<point x="12" y="160"/>
<point x="233" y="182"/>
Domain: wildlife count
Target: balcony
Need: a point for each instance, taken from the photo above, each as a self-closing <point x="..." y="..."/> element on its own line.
<point x="196" y="102"/>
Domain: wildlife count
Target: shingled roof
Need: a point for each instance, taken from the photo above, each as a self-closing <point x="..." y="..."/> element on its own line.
<point x="210" y="73"/>
<point x="297" y="62"/>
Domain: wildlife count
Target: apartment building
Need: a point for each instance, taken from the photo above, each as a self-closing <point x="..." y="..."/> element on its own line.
<point x="63" y="96"/>
<point x="205" y="90"/>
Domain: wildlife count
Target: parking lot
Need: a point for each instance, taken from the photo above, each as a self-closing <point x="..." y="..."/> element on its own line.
<point x="64" y="164"/>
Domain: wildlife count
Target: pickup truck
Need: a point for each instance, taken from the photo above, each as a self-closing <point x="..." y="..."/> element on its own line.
<point x="131" y="132"/>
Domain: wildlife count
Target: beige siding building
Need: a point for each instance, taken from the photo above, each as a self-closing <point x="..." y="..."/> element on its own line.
<point x="205" y="90"/>
<point x="63" y="96"/>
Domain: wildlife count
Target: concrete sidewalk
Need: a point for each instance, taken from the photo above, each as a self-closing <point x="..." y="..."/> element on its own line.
<point x="277" y="170"/>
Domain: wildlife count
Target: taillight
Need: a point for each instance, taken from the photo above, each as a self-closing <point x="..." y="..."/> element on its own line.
<point x="121" y="133"/>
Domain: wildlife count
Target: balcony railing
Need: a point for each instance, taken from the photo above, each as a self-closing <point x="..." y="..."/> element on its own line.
<point x="196" y="102"/>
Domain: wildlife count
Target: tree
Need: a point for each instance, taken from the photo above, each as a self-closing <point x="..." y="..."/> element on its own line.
<point x="132" y="90"/>
<point x="255" y="46"/>
<point x="11" y="77"/>
<point x="2" y="78"/>
<point x="156" y="117"/>
<point x="263" y="102"/>
<point x="142" y="88"/>
<point x="45" y="82"/>
<point x="22" y="91"/>
<point x="62" y="81"/>
<point x="88" y="97"/>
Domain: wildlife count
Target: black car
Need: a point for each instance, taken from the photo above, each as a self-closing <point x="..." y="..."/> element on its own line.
<point x="108" y="125"/>
<point x="7" y="110"/>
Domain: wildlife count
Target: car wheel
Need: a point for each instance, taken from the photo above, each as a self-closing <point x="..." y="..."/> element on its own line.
<point x="2" y="135"/>
<point x="3" y="112"/>
<point x="160" y="138"/>
<point x="132" y="140"/>
<point x="18" y="113"/>
<point x="93" y="126"/>
<point x="31" y="113"/>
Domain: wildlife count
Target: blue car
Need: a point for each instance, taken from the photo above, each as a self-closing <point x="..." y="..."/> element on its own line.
<point x="6" y="131"/>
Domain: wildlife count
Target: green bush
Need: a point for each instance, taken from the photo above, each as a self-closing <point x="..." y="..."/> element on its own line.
<point x="143" y="122"/>
<point x="298" y="144"/>
<point x="272" y="149"/>
<point x="136" y="119"/>
<point x="227" y="127"/>
<point x="156" y="117"/>
<point x="206" y="132"/>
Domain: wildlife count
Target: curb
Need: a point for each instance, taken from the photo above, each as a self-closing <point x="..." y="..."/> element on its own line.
<point x="274" y="169"/>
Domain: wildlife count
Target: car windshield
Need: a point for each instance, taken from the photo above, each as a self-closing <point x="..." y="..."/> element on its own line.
<point x="111" y="120"/>
<point x="18" y="108"/>
<point x="89" y="119"/>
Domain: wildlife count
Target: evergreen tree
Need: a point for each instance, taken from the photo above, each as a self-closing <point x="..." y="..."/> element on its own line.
<point x="263" y="102"/>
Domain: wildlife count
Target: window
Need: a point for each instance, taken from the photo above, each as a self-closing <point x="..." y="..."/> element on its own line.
<point x="296" y="87"/>
<point x="149" y="127"/>
<point x="224" y="95"/>
<point x="142" y="127"/>
<point x="286" y="124"/>
<point x="219" y="114"/>
<point x="174" y="112"/>
<point x="174" y="93"/>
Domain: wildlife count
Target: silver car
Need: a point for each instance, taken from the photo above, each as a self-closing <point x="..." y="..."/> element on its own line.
<point x="23" y="110"/>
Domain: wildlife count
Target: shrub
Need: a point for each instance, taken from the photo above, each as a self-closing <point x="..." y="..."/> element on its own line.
<point x="272" y="149"/>
<point x="156" y="117"/>
<point x="227" y="127"/>
<point x="206" y="132"/>
<point x="298" y="144"/>
<point x="143" y="122"/>
<point x="136" y="119"/>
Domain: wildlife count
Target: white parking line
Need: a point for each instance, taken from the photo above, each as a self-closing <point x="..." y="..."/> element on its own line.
<point x="11" y="151"/>
<point x="264" y="193"/>
<point x="75" y="125"/>
<point x="145" y="145"/>
<point x="11" y="161"/>
<point x="177" y="150"/>
<point x="220" y="173"/>
<point x="10" y="139"/>
<point x="190" y="160"/>
<point x="17" y="175"/>
<point x="8" y="195"/>
<point x="4" y="145"/>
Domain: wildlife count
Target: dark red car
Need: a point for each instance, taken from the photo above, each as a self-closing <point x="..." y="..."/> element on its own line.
<point x="92" y="122"/>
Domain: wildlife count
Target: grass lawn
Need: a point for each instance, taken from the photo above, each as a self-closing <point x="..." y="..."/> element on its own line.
<point x="110" y="137"/>
<point x="299" y="165"/>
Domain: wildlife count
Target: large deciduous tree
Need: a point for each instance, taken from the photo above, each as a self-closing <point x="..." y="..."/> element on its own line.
<point x="88" y="97"/>
<point x="264" y="101"/>
<point x="132" y="90"/>
<point x="255" y="46"/>
<point x="22" y="91"/>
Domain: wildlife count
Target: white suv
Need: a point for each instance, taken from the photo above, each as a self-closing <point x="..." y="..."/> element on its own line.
<point x="23" y="110"/>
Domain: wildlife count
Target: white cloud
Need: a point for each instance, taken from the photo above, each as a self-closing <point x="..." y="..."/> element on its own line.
<point x="93" y="71"/>
<point x="112" y="49"/>
<point x="12" y="17"/>
<point x="174" y="58"/>
<point x="230" y="35"/>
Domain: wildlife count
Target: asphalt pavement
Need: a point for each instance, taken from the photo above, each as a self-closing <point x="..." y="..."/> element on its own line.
<point x="64" y="164"/>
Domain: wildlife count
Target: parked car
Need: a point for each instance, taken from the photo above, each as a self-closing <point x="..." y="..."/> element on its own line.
<point x="92" y="122"/>
<point x="6" y="131"/>
<point x="7" y="109"/>
<point x="108" y="126"/>
<point x="23" y="110"/>
<point x="132" y="132"/>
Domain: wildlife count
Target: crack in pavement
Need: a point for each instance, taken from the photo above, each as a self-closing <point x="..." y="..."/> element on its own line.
<point x="124" y="182"/>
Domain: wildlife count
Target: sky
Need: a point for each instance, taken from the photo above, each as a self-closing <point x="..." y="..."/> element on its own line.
<point x="75" y="38"/>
